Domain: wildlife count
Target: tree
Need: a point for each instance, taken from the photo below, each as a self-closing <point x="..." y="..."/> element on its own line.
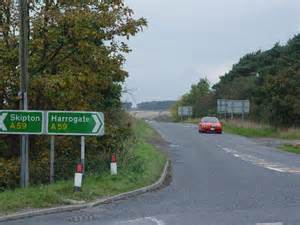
<point x="77" y="52"/>
<point x="200" y="98"/>
<point x="269" y="79"/>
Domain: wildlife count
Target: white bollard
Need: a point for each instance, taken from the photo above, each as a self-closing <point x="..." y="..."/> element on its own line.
<point x="78" y="177"/>
<point x="113" y="165"/>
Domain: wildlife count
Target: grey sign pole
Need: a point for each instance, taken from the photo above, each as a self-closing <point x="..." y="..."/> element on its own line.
<point x="232" y="110"/>
<point x="243" y="110"/>
<point x="52" y="157"/>
<point x="23" y="60"/>
<point x="82" y="155"/>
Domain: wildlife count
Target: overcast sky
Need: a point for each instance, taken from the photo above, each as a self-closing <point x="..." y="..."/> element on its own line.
<point x="190" y="39"/>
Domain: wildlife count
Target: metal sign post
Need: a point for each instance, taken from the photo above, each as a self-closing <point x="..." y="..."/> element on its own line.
<point x="52" y="155"/>
<point x="82" y="155"/>
<point x="23" y="60"/>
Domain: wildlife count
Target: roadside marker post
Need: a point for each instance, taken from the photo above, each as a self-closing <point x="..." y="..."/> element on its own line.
<point x="78" y="176"/>
<point x="113" y="165"/>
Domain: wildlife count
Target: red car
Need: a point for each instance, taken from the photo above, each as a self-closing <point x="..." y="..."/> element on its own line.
<point x="210" y="125"/>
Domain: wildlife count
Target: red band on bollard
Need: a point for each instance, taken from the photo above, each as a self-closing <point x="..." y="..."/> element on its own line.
<point x="113" y="158"/>
<point x="79" y="168"/>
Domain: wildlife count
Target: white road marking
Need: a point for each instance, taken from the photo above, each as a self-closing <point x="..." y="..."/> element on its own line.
<point x="153" y="219"/>
<point x="261" y="162"/>
<point x="276" y="169"/>
<point x="174" y="145"/>
<point x="278" y="223"/>
<point x="142" y="221"/>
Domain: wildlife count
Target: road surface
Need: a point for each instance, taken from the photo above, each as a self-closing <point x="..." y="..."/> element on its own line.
<point x="217" y="180"/>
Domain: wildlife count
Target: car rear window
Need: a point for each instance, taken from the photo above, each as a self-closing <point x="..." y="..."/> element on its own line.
<point x="210" y="120"/>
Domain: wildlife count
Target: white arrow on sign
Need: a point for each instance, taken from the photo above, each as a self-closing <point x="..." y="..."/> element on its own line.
<point x="2" y="125"/>
<point x="98" y="123"/>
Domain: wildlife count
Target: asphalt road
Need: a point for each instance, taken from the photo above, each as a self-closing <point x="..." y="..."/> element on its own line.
<point x="217" y="180"/>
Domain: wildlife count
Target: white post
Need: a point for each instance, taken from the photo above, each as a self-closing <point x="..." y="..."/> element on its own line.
<point x="80" y="166"/>
<point x="113" y="165"/>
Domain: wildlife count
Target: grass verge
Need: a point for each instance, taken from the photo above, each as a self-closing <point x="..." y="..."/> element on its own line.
<point x="252" y="129"/>
<point x="291" y="148"/>
<point x="144" y="168"/>
<point x="249" y="131"/>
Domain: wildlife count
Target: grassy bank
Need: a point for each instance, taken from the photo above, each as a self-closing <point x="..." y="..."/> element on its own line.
<point x="251" y="129"/>
<point x="291" y="148"/>
<point x="143" y="167"/>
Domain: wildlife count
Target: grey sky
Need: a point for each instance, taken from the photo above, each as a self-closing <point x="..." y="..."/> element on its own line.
<point x="190" y="39"/>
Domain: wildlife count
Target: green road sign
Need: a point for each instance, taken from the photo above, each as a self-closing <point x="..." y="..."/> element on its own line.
<point x="75" y="123"/>
<point x="21" y="122"/>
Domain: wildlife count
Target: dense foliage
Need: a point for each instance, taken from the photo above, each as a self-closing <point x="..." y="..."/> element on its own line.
<point x="76" y="63"/>
<point x="200" y="97"/>
<point x="269" y="79"/>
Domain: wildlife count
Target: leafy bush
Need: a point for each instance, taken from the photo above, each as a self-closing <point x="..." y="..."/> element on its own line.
<point x="77" y="52"/>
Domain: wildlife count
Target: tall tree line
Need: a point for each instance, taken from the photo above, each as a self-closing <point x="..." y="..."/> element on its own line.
<point x="269" y="79"/>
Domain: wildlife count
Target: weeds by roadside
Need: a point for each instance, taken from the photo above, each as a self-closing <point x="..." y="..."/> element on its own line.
<point x="252" y="129"/>
<point x="143" y="167"/>
<point x="291" y="148"/>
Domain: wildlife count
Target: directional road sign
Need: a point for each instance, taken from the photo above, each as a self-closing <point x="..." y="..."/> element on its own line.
<point x="75" y="123"/>
<point x="185" y="111"/>
<point x="233" y="106"/>
<point x="21" y="122"/>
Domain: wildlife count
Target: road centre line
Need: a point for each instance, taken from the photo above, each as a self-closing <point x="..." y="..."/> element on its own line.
<point x="261" y="162"/>
<point x="278" y="223"/>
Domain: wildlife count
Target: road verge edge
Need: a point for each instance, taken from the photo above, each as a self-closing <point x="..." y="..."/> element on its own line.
<point x="156" y="185"/>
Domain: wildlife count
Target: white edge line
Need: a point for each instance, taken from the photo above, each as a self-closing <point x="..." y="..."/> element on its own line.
<point x="153" y="219"/>
<point x="278" y="223"/>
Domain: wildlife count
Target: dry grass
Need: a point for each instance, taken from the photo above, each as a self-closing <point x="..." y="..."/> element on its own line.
<point x="291" y="148"/>
<point x="253" y="129"/>
<point x="247" y="124"/>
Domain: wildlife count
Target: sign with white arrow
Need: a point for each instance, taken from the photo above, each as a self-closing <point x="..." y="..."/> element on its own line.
<point x="21" y="122"/>
<point x="75" y="123"/>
